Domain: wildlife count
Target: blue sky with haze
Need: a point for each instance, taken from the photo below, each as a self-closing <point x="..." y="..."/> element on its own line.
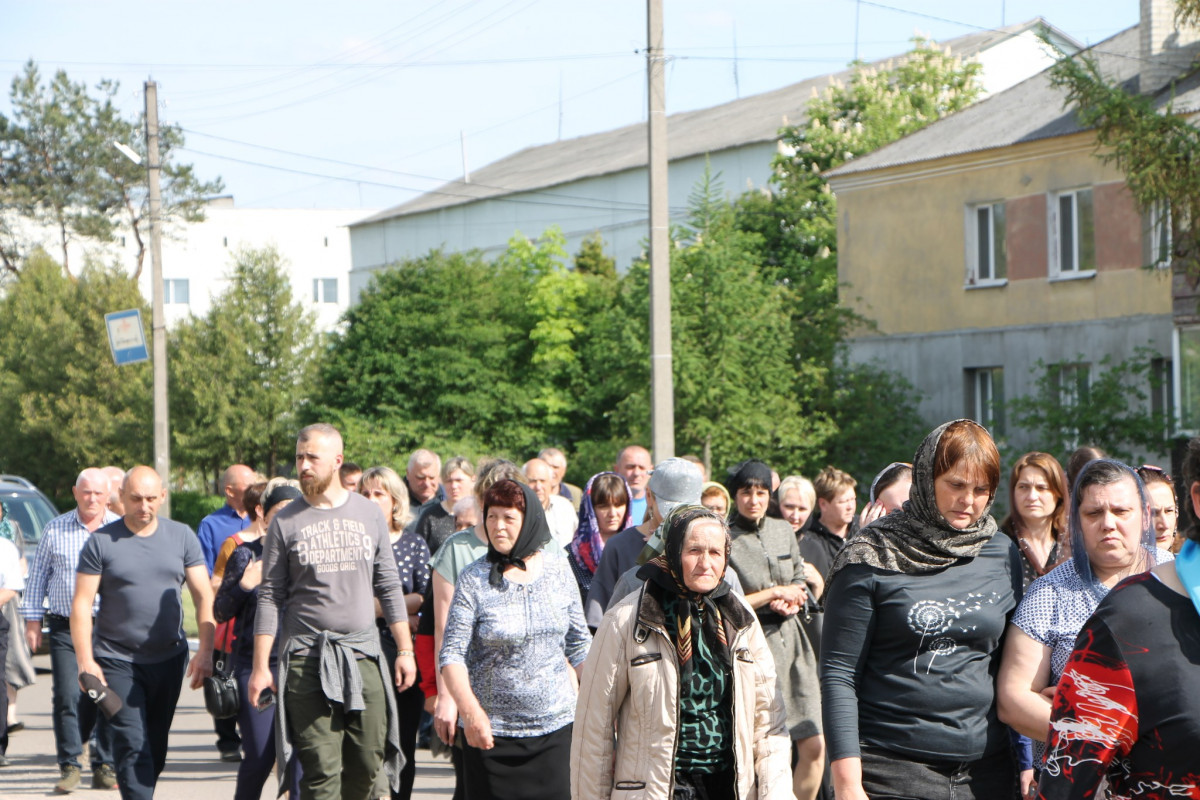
<point x="381" y="90"/>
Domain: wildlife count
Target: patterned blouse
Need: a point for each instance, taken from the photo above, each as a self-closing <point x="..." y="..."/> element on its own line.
<point x="515" y="642"/>
<point x="412" y="559"/>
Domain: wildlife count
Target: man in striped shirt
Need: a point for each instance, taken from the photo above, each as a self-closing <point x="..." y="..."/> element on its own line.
<point x="52" y="581"/>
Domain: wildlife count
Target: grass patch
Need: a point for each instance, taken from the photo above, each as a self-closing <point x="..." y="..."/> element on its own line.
<point x="189" y="614"/>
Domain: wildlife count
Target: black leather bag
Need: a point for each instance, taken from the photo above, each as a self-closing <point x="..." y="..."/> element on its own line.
<point x="221" y="696"/>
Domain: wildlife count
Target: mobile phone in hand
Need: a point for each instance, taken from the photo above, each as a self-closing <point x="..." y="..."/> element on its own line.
<point x="266" y="699"/>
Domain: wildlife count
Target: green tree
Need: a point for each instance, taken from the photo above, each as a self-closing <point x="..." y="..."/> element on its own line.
<point x="65" y="404"/>
<point x="241" y="375"/>
<point x="797" y="218"/>
<point x="592" y="260"/>
<point x="438" y="350"/>
<point x="1111" y="411"/>
<point x="733" y="368"/>
<point x="58" y="167"/>
<point x="553" y="307"/>
<point x="875" y="412"/>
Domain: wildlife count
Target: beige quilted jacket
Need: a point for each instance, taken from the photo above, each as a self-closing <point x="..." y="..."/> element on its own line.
<point x="631" y="683"/>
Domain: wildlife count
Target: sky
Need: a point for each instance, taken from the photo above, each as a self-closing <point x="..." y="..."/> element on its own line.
<point x="367" y="104"/>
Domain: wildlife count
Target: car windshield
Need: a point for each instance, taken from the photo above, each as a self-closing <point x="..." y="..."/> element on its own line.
<point x="28" y="513"/>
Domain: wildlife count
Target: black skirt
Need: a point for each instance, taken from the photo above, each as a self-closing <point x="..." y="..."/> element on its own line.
<point x="525" y="768"/>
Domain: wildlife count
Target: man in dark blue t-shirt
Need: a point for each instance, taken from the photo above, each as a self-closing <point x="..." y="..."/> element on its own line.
<point x="137" y="646"/>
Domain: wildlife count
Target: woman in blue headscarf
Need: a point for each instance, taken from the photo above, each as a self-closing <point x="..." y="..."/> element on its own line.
<point x="1125" y="710"/>
<point x="1111" y="539"/>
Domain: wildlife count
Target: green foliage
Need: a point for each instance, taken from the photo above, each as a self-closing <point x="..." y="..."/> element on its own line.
<point x="191" y="507"/>
<point x="734" y="383"/>
<point x="240" y="376"/>
<point x="876" y="416"/>
<point x="439" y="347"/>
<point x="592" y="260"/>
<point x="58" y="167"/>
<point x="1187" y="12"/>
<point x="1159" y="152"/>
<point x="880" y="106"/>
<point x="65" y="404"/>
<point x="1113" y="412"/>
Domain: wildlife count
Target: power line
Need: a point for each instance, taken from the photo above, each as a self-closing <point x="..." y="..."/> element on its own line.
<point x="594" y="205"/>
<point x="481" y="24"/>
<point x="368" y="167"/>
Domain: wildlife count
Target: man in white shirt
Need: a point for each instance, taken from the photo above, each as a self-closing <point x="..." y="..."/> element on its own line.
<point x="11" y="582"/>
<point x="560" y="514"/>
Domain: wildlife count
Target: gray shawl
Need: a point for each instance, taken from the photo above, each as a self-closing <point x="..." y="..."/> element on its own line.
<point x="342" y="683"/>
<point x="917" y="538"/>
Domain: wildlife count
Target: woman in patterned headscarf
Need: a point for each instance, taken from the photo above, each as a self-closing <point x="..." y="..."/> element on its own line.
<point x="603" y="512"/>
<point x="682" y="670"/>
<point x="915" y="614"/>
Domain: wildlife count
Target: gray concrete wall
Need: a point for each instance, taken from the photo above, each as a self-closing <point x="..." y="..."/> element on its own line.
<point x="935" y="362"/>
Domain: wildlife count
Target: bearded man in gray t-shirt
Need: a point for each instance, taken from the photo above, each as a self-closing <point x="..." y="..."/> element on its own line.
<point x="325" y="562"/>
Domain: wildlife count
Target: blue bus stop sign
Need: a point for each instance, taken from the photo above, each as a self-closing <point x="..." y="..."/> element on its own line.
<point x="126" y="336"/>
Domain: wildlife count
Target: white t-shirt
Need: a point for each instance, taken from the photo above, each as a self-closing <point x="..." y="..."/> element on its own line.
<point x="10" y="567"/>
<point x="562" y="520"/>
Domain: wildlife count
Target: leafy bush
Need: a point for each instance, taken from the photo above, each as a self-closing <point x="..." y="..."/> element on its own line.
<point x="191" y="507"/>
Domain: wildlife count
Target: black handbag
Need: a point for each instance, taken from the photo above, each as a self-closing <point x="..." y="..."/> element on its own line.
<point x="221" y="696"/>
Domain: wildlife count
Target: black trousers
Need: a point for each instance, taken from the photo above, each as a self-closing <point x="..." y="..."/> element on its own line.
<point x="892" y="776"/>
<point x="4" y="630"/>
<point x="140" y="730"/>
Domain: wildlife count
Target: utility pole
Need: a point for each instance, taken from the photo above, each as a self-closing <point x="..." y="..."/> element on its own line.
<point x="158" y="325"/>
<point x="662" y="389"/>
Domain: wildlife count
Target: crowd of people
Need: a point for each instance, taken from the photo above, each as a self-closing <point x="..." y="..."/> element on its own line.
<point x="656" y="633"/>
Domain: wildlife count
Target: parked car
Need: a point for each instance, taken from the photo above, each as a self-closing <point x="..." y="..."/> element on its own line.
<point x="27" y="507"/>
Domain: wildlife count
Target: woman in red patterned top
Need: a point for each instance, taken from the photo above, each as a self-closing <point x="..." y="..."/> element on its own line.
<point x="1126" y="709"/>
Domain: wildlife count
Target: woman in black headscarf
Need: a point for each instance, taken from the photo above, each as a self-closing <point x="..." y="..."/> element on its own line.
<point x="915" y="615"/>
<point x="514" y="630"/>
<point x="681" y="671"/>
<point x="766" y="557"/>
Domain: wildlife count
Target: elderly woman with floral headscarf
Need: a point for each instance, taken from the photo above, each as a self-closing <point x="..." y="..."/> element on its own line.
<point x="915" y="614"/>
<point x="1126" y="709"/>
<point x="514" y="632"/>
<point x="1111" y="538"/>
<point x="681" y="671"/>
<point x="603" y="512"/>
<point x="766" y="557"/>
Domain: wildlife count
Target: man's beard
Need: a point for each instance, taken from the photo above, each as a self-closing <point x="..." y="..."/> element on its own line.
<point x="315" y="486"/>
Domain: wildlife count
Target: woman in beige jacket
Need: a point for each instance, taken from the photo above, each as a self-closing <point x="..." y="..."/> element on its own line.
<point x="681" y="671"/>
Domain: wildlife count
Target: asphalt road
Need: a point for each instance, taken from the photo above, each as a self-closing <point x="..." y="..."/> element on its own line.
<point x="193" y="770"/>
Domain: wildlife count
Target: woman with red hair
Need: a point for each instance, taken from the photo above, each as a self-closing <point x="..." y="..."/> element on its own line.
<point x="916" y="609"/>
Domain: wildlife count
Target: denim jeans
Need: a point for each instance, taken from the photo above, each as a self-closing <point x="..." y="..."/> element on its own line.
<point x="76" y="717"/>
<point x="140" y="730"/>
<point x="893" y="776"/>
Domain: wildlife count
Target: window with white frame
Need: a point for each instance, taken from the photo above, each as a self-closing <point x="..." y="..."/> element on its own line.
<point x="1072" y="384"/>
<point x="175" y="291"/>
<point x="1187" y="379"/>
<point x="1158" y="235"/>
<point x="325" y="290"/>
<point x="987" y="257"/>
<point x="1073" y="233"/>
<point x="985" y="397"/>
<point x="1162" y="391"/>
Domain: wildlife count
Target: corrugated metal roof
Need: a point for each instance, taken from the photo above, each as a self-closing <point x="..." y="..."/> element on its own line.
<point x="737" y="123"/>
